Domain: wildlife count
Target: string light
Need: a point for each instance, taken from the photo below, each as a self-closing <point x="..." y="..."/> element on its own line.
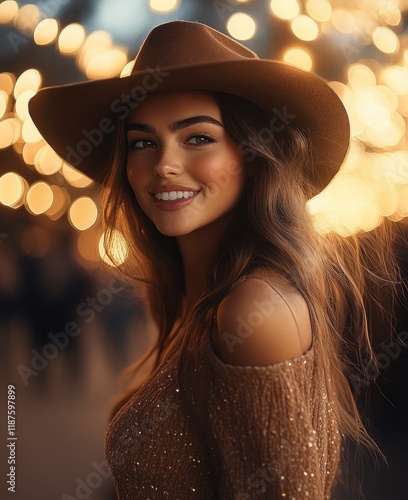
<point x="299" y="58"/>
<point x="241" y="26"/>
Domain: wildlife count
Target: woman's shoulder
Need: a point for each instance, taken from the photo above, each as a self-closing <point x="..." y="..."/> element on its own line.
<point x="269" y="318"/>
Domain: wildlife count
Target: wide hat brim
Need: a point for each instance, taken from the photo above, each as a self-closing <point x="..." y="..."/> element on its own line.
<point x="78" y="120"/>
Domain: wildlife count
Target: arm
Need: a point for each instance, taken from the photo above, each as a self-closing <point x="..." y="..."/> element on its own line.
<point x="261" y="399"/>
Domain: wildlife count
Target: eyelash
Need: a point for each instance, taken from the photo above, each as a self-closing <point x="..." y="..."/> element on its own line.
<point x="209" y="138"/>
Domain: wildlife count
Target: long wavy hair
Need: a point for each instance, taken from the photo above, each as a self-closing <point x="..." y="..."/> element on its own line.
<point x="343" y="279"/>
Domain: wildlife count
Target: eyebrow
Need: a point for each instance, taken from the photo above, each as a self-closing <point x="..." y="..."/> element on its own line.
<point x="175" y="126"/>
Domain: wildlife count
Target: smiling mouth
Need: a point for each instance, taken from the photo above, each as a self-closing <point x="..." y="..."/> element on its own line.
<point x="175" y="195"/>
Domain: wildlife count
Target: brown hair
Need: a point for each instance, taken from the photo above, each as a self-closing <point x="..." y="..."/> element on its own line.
<point x="342" y="279"/>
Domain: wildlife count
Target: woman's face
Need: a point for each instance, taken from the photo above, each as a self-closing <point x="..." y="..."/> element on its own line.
<point x="185" y="171"/>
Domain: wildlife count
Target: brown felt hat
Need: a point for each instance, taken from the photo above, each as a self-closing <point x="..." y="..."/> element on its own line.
<point x="78" y="120"/>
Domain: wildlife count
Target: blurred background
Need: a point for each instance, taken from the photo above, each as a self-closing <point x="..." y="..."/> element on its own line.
<point x="68" y="326"/>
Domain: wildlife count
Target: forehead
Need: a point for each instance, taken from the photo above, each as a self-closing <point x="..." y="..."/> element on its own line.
<point x="175" y="104"/>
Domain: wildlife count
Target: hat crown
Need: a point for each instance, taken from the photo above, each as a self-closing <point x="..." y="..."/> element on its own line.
<point x="184" y="43"/>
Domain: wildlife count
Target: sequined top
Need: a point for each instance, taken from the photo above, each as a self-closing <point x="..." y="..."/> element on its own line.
<point x="270" y="433"/>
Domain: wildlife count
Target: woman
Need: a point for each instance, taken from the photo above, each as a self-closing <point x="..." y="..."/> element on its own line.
<point x="208" y="155"/>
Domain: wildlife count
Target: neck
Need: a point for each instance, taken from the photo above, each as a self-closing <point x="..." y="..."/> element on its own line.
<point x="195" y="249"/>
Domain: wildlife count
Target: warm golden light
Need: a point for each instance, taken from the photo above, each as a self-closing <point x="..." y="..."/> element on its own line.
<point x="46" y="161"/>
<point x="106" y="64"/>
<point x="287" y="9"/>
<point x="29" y="80"/>
<point x="241" y="26"/>
<point x="71" y="39"/>
<point x="343" y="20"/>
<point x="360" y="76"/>
<point x="119" y="249"/>
<point x="396" y="77"/>
<point x="164" y="5"/>
<point x="46" y="32"/>
<point x="385" y="40"/>
<point x="390" y="13"/>
<point x="319" y="10"/>
<point x="30" y="149"/>
<point x="87" y="247"/>
<point x="39" y="198"/>
<point x="21" y="105"/>
<point x="83" y="213"/>
<point x="7" y="82"/>
<point x="299" y="58"/>
<point x="75" y="177"/>
<point x="305" y="28"/>
<point x="61" y="201"/>
<point x="27" y="18"/>
<point x="8" y="10"/>
<point x="9" y="132"/>
<point x="30" y="132"/>
<point x="3" y="103"/>
<point x="12" y="187"/>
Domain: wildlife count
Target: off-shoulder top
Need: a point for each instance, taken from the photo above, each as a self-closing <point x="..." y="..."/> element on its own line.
<point x="272" y="433"/>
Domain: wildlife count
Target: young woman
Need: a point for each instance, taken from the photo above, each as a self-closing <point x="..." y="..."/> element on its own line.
<point x="208" y="156"/>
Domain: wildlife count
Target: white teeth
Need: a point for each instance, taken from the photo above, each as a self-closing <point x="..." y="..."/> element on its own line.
<point x="174" y="195"/>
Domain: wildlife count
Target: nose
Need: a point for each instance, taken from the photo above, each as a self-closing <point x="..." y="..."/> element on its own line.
<point x="168" y="164"/>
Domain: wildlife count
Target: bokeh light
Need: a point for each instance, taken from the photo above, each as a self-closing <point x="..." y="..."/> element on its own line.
<point x="12" y="189"/>
<point x="8" y="11"/>
<point x="319" y="10"/>
<point x="288" y="9"/>
<point x="71" y="39"/>
<point x="164" y="6"/>
<point x="29" y="80"/>
<point x="27" y="18"/>
<point x="83" y="213"/>
<point x="305" y="28"/>
<point x="39" y="198"/>
<point x="46" y="32"/>
<point x="241" y="26"/>
<point x="385" y="39"/>
<point x="299" y="58"/>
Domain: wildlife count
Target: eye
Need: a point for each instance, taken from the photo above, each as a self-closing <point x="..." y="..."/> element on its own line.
<point x="141" y="144"/>
<point x="201" y="140"/>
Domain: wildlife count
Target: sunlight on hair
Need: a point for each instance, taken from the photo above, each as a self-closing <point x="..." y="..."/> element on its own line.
<point x="119" y="249"/>
<point x="241" y="26"/>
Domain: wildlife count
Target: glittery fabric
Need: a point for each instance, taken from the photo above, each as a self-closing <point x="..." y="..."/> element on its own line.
<point x="272" y="432"/>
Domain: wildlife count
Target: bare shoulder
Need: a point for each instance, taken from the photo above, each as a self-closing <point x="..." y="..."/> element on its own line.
<point x="262" y="321"/>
